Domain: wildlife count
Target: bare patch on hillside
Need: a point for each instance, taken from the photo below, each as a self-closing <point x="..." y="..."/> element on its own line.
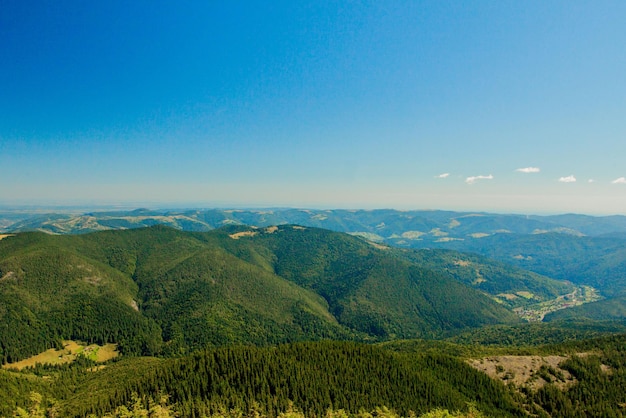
<point x="94" y="280"/>
<point x="462" y="263"/>
<point x="370" y="236"/>
<point x="3" y="236"/>
<point x="531" y="371"/>
<point x="521" y="257"/>
<point x="7" y="276"/>
<point x="379" y="246"/>
<point x="438" y="232"/>
<point x="479" y="235"/>
<point x="271" y="229"/>
<point x="454" y="223"/>
<point x="71" y="350"/>
<point x="479" y="278"/>
<point x="448" y="239"/>
<point x="238" y="235"/>
<point x="413" y="234"/>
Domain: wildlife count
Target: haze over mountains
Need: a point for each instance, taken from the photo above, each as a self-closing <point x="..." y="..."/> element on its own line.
<point x="584" y="250"/>
<point x="400" y="227"/>
<point x="159" y="289"/>
<point x="514" y="260"/>
<point x="169" y="283"/>
<point x="578" y="248"/>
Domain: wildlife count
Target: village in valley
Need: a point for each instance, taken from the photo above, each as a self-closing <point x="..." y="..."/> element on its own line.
<point x="537" y="312"/>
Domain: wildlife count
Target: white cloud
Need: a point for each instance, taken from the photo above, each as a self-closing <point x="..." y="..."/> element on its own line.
<point x="442" y="176"/>
<point x="591" y="181"/>
<point x="568" y="179"/>
<point x="529" y="170"/>
<point x="621" y="180"/>
<point x="472" y="179"/>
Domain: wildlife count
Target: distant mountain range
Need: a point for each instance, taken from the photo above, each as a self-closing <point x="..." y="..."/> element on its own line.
<point x="580" y="249"/>
<point x="398" y="227"/>
<point x="168" y="284"/>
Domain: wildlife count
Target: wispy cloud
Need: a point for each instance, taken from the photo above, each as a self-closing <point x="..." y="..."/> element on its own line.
<point x="621" y="180"/>
<point x="473" y="179"/>
<point x="529" y="170"/>
<point x="568" y="179"/>
<point x="591" y="181"/>
<point x="442" y="176"/>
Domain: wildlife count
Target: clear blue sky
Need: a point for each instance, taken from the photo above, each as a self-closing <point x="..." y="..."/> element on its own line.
<point x="467" y="105"/>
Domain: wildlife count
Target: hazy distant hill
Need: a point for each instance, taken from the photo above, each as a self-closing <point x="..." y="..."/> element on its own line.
<point x="596" y="261"/>
<point x="158" y="288"/>
<point x="161" y="290"/>
<point x="385" y="224"/>
<point x="577" y="248"/>
<point x="511" y="285"/>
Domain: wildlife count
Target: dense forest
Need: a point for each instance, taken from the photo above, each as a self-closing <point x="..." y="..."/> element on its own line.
<point x="317" y="377"/>
<point x="291" y="321"/>
<point x="162" y="291"/>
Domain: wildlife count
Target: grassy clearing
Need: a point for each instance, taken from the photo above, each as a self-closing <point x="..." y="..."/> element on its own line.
<point x="71" y="350"/>
<point x="531" y="371"/>
<point x="243" y="234"/>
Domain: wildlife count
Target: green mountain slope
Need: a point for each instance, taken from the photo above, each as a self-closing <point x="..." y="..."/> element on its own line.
<point x="314" y="376"/>
<point x="595" y="261"/>
<point x="612" y="309"/>
<point x="511" y="285"/>
<point x="159" y="289"/>
<point x="48" y="291"/>
<point x="588" y="379"/>
<point x="583" y="249"/>
<point x="375" y="290"/>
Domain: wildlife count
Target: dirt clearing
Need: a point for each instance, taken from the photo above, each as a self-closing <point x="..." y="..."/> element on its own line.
<point x="530" y="371"/>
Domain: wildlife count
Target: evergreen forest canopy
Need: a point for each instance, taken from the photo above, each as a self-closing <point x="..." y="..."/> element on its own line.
<point x="581" y="249"/>
<point x="216" y="318"/>
<point x="163" y="291"/>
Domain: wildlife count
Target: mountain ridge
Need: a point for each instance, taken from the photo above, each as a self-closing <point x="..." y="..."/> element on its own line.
<point x="159" y="288"/>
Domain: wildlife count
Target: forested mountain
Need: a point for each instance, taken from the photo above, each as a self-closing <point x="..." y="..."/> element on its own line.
<point x="317" y="378"/>
<point x="160" y="290"/>
<point x="596" y="261"/>
<point x="314" y="377"/>
<point x="582" y="249"/>
<point x="167" y="292"/>
<point x="508" y="284"/>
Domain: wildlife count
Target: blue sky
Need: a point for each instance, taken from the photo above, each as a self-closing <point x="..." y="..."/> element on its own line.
<point x="338" y="104"/>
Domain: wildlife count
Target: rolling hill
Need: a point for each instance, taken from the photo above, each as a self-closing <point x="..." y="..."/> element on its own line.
<point x="405" y="227"/>
<point x="163" y="290"/>
<point x="583" y="250"/>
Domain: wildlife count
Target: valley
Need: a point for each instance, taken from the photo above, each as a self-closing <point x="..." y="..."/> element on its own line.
<point x="312" y="209"/>
<point x="462" y="305"/>
<point x="537" y="312"/>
